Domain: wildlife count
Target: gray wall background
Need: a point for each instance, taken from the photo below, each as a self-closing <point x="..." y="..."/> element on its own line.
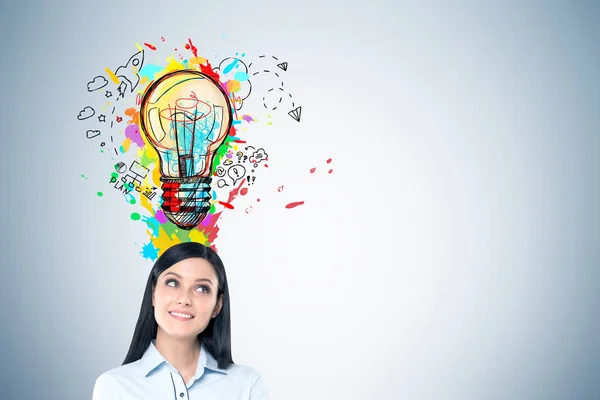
<point x="453" y="253"/>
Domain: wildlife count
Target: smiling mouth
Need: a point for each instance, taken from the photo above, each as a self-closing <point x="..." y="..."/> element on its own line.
<point x="181" y="316"/>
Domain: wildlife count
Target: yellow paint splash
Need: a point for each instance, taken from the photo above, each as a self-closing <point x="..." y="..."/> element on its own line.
<point x="173" y="65"/>
<point x="198" y="60"/>
<point x="163" y="241"/>
<point x="112" y="76"/>
<point x="233" y="86"/>
<point x="126" y="144"/>
<point x="199" y="237"/>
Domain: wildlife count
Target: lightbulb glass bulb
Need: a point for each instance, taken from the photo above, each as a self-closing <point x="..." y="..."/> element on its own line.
<point x="186" y="116"/>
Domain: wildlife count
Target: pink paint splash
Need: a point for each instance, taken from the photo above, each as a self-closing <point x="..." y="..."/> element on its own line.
<point x="161" y="217"/>
<point x="133" y="133"/>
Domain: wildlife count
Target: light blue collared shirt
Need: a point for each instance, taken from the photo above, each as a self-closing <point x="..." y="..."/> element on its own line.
<point x="153" y="377"/>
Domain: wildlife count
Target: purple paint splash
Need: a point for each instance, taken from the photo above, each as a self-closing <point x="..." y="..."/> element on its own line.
<point x="133" y="132"/>
<point x="161" y="217"/>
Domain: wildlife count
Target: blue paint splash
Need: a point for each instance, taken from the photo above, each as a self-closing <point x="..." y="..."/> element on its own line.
<point x="149" y="252"/>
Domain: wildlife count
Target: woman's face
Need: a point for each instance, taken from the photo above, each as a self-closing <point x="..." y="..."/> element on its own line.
<point x="185" y="298"/>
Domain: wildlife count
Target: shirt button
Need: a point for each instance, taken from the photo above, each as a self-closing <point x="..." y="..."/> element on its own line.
<point x="181" y="394"/>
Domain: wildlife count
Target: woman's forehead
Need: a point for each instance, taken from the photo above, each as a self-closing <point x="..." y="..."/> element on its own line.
<point x="192" y="268"/>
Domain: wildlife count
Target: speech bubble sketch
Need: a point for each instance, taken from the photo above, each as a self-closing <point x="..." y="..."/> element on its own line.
<point x="221" y="171"/>
<point x="98" y="83"/>
<point x="258" y="156"/>
<point x="90" y="134"/>
<point x="129" y="71"/>
<point x="236" y="172"/>
<point x="87" y="112"/>
<point x="222" y="183"/>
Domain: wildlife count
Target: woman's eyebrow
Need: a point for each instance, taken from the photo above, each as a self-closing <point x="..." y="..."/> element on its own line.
<point x="197" y="280"/>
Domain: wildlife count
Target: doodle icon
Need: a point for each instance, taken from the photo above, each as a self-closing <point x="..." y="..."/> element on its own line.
<point x="186" y="116"/>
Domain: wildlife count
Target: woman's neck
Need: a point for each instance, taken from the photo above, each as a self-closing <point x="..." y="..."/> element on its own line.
<point x="181" y="354"/>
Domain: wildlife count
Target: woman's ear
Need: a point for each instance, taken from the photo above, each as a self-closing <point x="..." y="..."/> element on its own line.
<point x="153" y="287"/>
<point x="218" y="306"/>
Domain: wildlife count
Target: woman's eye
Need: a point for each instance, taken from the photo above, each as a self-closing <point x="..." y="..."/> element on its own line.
<point x="171" y="282"/>
<point x="203" y="289"/>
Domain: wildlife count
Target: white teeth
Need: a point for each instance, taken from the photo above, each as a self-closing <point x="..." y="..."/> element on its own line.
<point x="181" y="315"/>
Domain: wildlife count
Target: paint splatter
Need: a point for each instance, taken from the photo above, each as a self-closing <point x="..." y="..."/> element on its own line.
<point x="149" y="252"/>
<point x="161" y="217"/>
<point x="226" y="204"/>
<point x="100" y="194"/>
<point x="295" y="204"/>
<point x="192" y="47"/>
<point x="148" y="191"/>
<point x="132" y="132"/>
<point x="312" y="170"/>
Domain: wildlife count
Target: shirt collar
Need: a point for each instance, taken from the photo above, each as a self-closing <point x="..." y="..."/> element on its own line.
<point x="152" y="359"/>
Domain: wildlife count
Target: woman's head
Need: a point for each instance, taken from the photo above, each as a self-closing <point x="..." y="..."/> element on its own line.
<point x="188" y="279"/>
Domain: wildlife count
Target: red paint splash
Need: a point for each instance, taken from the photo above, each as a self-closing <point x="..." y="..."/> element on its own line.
<point x="312" y="170"/>
<point x="239" y="141"/>
<point x="328" y="160"/>
<point x="280" y="188"/>
<point x="209" y="224"/>
<point x="226" y="204"/>
<point x="330" y="171"/>
<point x="193" y="48"/>
<point x="295" y="204"/>
<point x="258" y="200"/>
<point x="151" y="46"/>
<point x="244" y="191"/>
<point x="207" y="69"/>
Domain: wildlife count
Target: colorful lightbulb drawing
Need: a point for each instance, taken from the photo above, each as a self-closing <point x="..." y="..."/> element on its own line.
<point x="186" y="116"/>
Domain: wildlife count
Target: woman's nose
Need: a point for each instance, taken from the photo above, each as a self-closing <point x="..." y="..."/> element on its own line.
<point x="184" y="300"/>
